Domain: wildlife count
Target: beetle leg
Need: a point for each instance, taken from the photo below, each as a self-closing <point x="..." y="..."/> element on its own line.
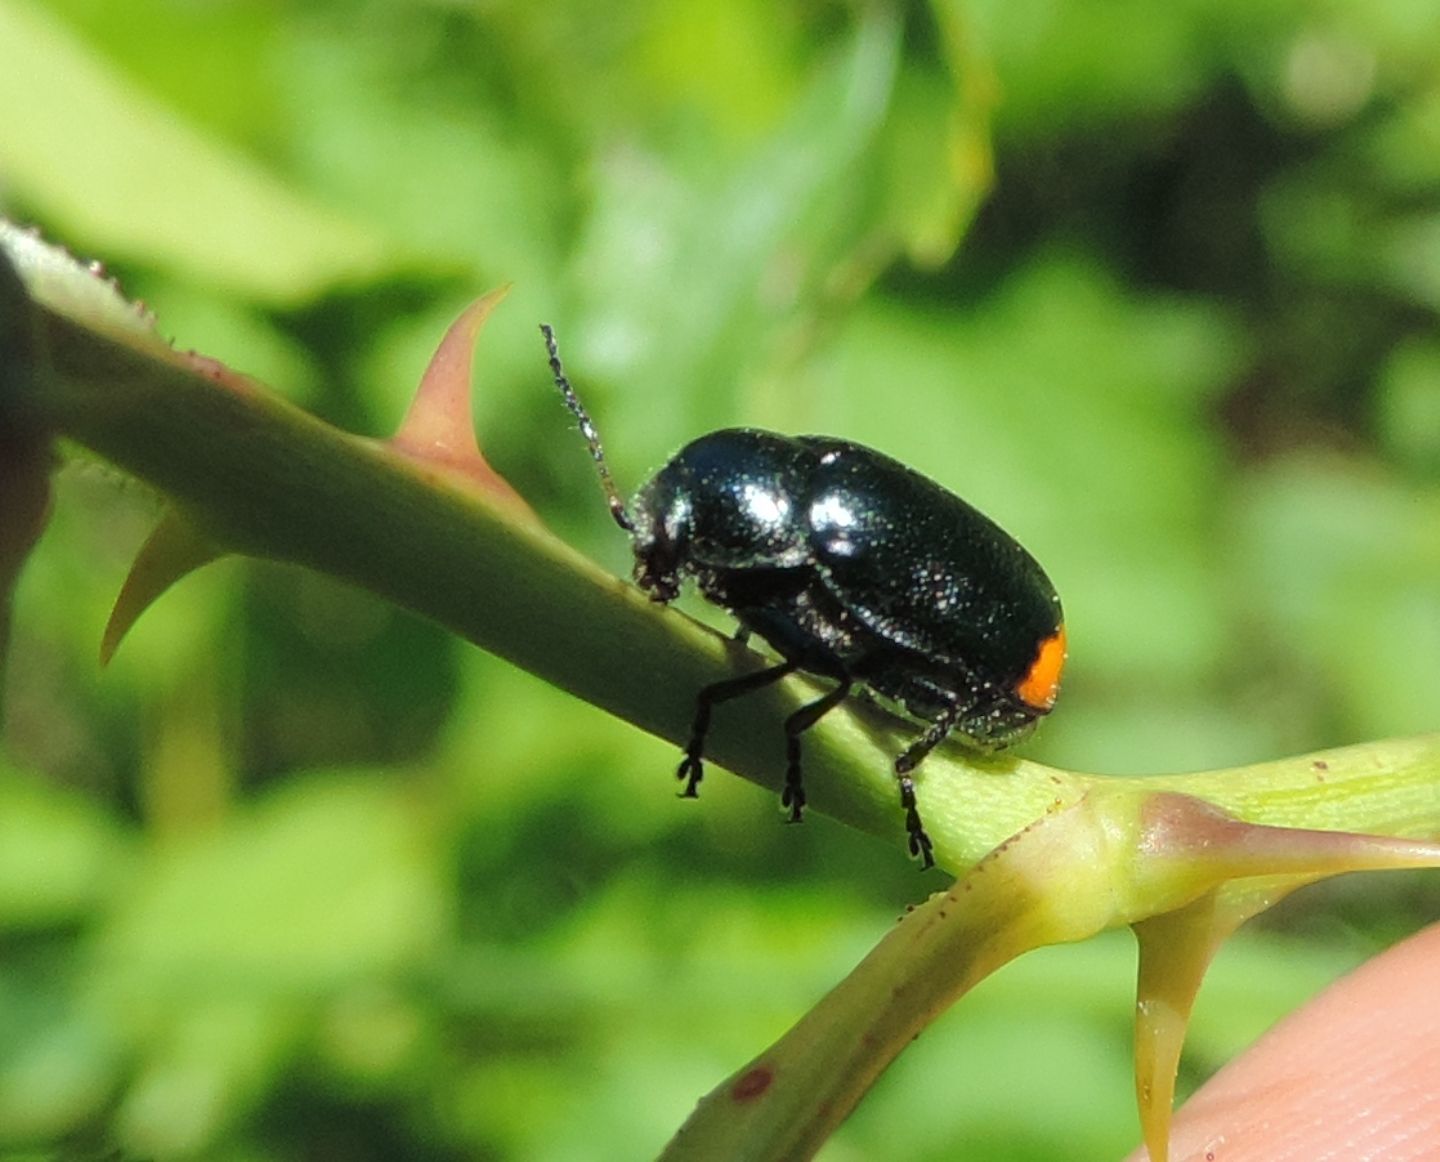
<point x="797" y="724"/>
<point x="934" y="735"/>
<point x="908" y="760"/>
<point x="692" y="768"/>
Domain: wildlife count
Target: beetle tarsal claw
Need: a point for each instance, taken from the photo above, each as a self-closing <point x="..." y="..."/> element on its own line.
<point x="692" y="770"/>
<point x="920" y="844"/>
<point x="793" y="796"/>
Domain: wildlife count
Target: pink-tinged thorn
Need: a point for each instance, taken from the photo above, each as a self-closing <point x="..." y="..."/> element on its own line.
<point x="1175" y="950"/>
<point x="438" y="431"/>
<point x="1212" y="846"/>
<point x="1235" y="870"/>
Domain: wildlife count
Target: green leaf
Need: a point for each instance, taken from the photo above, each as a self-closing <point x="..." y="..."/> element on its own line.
<point x="92" y="147"/>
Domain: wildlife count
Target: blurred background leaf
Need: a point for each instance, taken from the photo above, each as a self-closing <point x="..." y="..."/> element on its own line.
<point x="1154" y="285"/>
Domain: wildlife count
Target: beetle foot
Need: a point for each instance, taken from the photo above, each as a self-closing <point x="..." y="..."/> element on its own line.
<point x="793" y="796"/>
<point x="692" y="770"/>
<point x="920" y="844"/>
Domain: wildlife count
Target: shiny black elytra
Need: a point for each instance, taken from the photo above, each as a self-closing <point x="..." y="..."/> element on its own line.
<point x="853" y="567"/>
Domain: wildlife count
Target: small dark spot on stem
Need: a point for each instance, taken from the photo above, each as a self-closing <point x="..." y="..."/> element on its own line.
<point x="752" y="1084"/>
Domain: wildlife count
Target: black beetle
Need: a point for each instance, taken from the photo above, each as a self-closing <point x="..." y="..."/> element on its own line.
<point x="853" y="567"/>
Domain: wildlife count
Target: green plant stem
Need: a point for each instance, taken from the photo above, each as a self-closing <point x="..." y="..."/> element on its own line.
<point x="261" y="477"/>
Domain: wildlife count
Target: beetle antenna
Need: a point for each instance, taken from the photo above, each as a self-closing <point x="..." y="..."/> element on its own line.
<point x="587" y="429"/>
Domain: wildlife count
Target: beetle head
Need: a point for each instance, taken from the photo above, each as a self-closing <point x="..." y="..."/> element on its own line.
<point x="733" y="500"/>
<point x="660" y="535"/>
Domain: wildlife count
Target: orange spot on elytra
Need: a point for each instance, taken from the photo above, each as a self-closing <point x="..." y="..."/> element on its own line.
<point x="1041" y="682"/>
<point x="752" y="1083"/>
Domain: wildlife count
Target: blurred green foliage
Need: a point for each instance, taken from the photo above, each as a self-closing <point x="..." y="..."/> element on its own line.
<point x="299" y="877"/>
